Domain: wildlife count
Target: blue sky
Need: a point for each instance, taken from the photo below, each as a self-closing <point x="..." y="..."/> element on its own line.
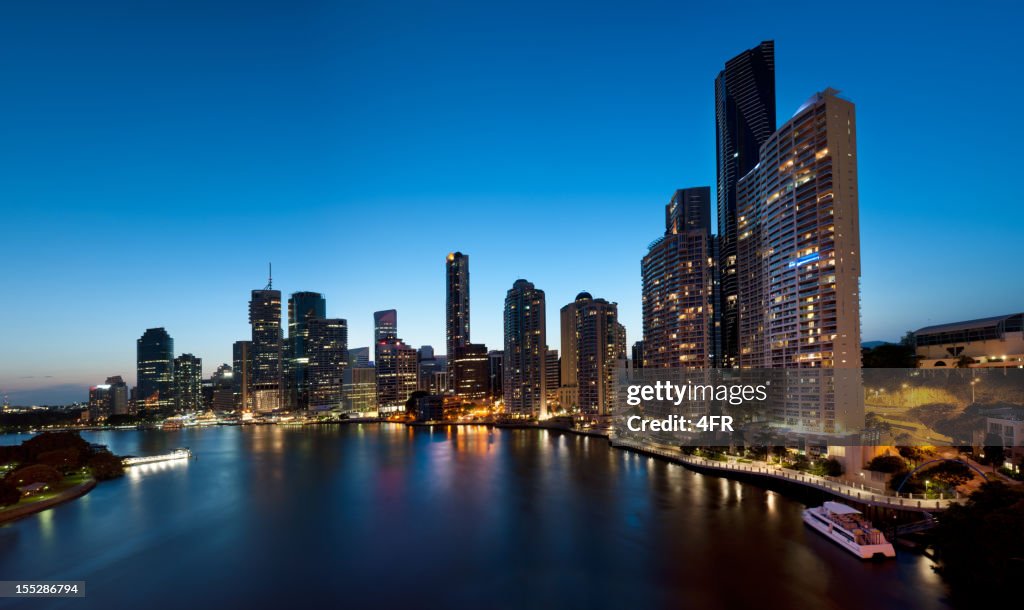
<point x="155" y="155"/>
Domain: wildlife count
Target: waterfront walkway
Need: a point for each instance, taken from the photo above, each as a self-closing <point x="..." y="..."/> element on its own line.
<point x="24" y="509"/>
<point x="860" y="494"/>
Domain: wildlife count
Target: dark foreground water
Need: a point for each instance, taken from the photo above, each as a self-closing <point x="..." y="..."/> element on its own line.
<point x="384" y="516"/>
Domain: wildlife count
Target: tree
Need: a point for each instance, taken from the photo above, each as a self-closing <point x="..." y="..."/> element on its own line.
<point x="994" y="452"/>
<point x="36" y="473"/>
<point x="52" y="441"/>
<point x="915" y="455"/>
<point x="9" y="494"/>
<point x="889" y="356"/>
<point x="981" y="543"/>
<point x="887" y="463"/>
<point x="105" y="465"/>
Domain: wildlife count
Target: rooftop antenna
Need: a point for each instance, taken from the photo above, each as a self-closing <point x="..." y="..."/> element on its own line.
<point x="270" y="277"/>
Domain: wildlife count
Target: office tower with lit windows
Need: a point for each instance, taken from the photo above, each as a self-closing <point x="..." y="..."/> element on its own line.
<point x="359" y="356"/>
<point x="799" y="258"/>
<point x="188" y="383"/>
<point x="525" y="354"/>
<point x="117" y="395"/>
<point x="267" y="369"/>
<point x="359" y="387"/>
<point x="222" y="384"/>
<point x="744" y="119"/>
<point x="495" y="374"/>
<point x="426" y="366"/>
<point x="456" y="302"/>
<point x="593" y="345"/>
<point x="326" y="344"/>
<point x="385" y="325"/>
<point x="241" y="353"/>
<point x="396" y="374"/>
<point x="678" y="275"/>
<point x="154" y="371"/>
<point x="470" y="372"/>
<point x="638" y="355"/>
<point x="302" y="307"/>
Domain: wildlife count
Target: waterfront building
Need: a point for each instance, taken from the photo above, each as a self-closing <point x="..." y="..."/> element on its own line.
<point x="327" y="353"/>
<point x="188" y="383"/>
<point x="798" y="263"/>
<point x="995" y="342"/>
<point x="359" y="388"/>
<point x="99" y="402"/>
<point x="495" y="359"/>
<point x="155" y="370"/>
<point x="267" y="370"/>
<point x="242" y="369"/>
<point x="426" y="366"/>
<point x="302" y="307"/>
<point x="678" y="273"/>
<point x="744" y="120"/>
<point x="222" y="384"/>
<point x="525" y="354"/>
<point x="595" y="344"/>
<point x="470" y="372"/>
<point x="117" y="395"/>
<point x="456" y="302"/>
<point x="396" y="374"/>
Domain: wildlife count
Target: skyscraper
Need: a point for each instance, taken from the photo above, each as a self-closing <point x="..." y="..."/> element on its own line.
<point x="267" y="370"/>
<point x="396" y="374"/>
<point x="302" y="307"/>
<point x="525" y="351"/>
<point x="457" y="302"/>
<point x="118" y="395"/>
<point x="241" y="352"/>
<point x="188" y="383"/>
<point x="154" y="363"/>
<point x="638" y="354"/>
<point x="359" y="356"/>
<point x="495" y="366"/>
<point x="470" y="372"/>
<point x="385" y="325"/>
<point x="327" y="353"/>
<point x="744" y="119"/>
<point x="799" y="256"/>
<point x="595" y="344"/>
<point x="223" y="385"/>
<point x="679" y="286"/>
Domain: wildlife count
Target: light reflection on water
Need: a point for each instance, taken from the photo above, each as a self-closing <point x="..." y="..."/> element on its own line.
<point x="382" y="515"/>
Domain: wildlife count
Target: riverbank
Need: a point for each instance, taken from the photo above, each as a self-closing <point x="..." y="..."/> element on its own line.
<point x="24" y="509"/>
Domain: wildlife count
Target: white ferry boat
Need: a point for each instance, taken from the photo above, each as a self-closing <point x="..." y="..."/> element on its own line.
<point x="848" y="527"/>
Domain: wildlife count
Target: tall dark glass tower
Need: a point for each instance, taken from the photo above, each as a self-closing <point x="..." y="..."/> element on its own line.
<point x="457" y="302"/>
<point x="266" y="366"/>
<point x="744" y="119"/>
<point x="525" y="360"/>
<point x="155" y="370"/>
<point x="303" y="307"/>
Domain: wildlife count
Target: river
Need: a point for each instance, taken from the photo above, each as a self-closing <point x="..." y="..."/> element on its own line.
<point x="386" y="516"/>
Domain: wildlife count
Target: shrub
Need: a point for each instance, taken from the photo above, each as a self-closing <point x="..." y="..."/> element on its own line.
<point x="37" y="473"/>
<point x="105" y="466"/>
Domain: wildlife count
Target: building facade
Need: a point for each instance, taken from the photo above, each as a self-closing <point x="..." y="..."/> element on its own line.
<point x="266" y="354"/>
<point x="155" y="371"/>
<point x="302" y="307"/>
<point x="798" y="258"/>
<point x="456" y="302"/>
<point x="470" y="372"/>
<point x="744" y="120"/>
<point x="188" y="383"/>
<point x="327" y="354"/>
<point x="525" y="353"/>
<point x="678" y="276"/>
<point x="996" y="342"/>
<point x="396" y="374"/>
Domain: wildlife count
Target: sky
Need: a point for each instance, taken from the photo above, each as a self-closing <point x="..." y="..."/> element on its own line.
<point x="155" y="156"/>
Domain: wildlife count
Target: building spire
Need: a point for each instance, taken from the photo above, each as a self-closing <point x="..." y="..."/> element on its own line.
<point x="270" y="276"/>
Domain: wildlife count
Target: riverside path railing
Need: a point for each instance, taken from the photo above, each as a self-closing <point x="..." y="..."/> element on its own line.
<point x="843" y="490"/>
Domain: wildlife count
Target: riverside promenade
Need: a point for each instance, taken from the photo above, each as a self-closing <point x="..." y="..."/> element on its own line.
<point x="862" y="495"/>
<point x="24" y="509"/>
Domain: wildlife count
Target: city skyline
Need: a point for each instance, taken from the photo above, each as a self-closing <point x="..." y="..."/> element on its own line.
<point x="204" y="312"/>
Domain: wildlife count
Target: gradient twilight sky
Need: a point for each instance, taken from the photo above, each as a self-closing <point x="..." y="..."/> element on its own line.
<point x="155" y="155"/>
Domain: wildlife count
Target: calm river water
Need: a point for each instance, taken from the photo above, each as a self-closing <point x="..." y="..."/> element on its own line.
<point x="385" y="516"/>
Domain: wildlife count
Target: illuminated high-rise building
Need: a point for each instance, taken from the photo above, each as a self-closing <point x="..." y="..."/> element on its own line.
<point x="594" y="345"/>
<point x="241" y="352"/>
<point x="302" y="307"/>
<point x="525" y="355"/>
<point x="188" y="383"/>
<point x="470" y="372"/>
<point x="679" y="286"/>
<point x="385" y="325"/>
<point x="267" y="370"/>
<point x="396" y="374"/>
<point x="154" y="370"/>
<point x="744" y="119"/>
<point x="799" y="258"/>
<point x="457" y="302"/>
<point x="327" y="352"/>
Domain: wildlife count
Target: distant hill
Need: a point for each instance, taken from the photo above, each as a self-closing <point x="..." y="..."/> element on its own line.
<point x="873" y="344"/>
